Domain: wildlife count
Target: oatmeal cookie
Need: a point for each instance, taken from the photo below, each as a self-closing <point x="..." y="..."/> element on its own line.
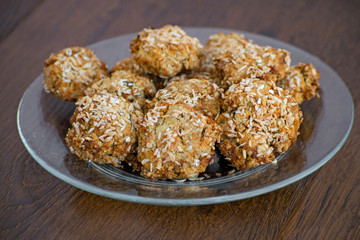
<point x="259" y="120"/>
<point x="130" y="86"/>
<point x="103" y="129"/>
<point x="128" y="64"/>
<point x="176" y="142"/>
<point x="166" y="51"/>
<point x="249" y="60"/>
<point x="215" y="45"/>
<point x="199" y="94"/>
<point x="207" y="76"/>
<point x="302" y="81"/>
<point x="68" y="73"/>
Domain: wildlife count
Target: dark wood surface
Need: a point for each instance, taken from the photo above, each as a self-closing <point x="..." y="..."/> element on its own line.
<point x="36" y="205"/>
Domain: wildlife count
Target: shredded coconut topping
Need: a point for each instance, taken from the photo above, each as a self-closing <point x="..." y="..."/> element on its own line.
<point x="102" y="129"/>
<point x="69" y="72"/>
<point x="257" y="122"/>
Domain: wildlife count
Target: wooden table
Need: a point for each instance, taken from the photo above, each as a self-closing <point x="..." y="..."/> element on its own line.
<point x="36" y="205"/>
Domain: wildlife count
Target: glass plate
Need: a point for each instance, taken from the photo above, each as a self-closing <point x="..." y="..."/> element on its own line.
<point x="43" y="121"/>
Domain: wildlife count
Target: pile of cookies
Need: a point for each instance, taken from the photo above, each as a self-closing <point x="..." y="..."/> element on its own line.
<point x="165" y="109"/>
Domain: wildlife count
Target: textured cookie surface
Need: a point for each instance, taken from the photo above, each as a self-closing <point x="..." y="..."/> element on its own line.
<point x="199" y="94"/>
<point x="259" y="120"/>
<point x="166" y="51"/>
<point x="103" y="129"/>
<point x="68" y="73"/>
<point x="175" y="142"/>
<point x="132" y="87"/>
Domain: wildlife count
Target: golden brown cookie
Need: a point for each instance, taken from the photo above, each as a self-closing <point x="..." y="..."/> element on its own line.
<point x="302" y="81"/>
<point x="215" y="45"/>
<point x="249" y="60"/>
<point x="103" y="129"/>
<point x="259" y="120"/>
<point x="128" y="64"/>
<point x="203" y="96"/>
<point x="166" y="51"/>
<point x="130" y="86"/>
<point x="176" y="142"/>
<point x="68" y="73"/>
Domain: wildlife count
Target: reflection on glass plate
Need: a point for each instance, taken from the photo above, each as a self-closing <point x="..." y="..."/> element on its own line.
<point x="43" y="122"/>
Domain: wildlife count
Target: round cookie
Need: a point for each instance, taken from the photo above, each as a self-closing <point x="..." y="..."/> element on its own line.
<point x="199" y="94"/>
<point x="259" y="119"/>
<point x="166" y="51"/>
<point x="215" y="45"/>
<point x="249" y="60"/>
<point x="175" y="142"/>
<point x="302" y="81"/>
<point x="68" y="73"/>
<point x="103" y="129"/>
<point x="128" y="64"/>
<point x="130" y="86"/>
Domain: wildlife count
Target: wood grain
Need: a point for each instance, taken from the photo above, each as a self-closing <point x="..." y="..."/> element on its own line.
<point x="36" y="205"/>
<point x="12" y="12"/>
